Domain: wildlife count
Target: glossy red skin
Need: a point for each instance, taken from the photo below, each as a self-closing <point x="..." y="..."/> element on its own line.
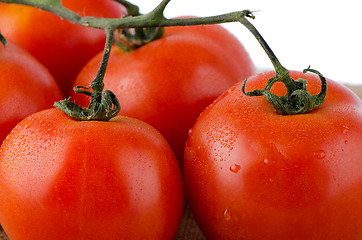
<point x="67" y="179"/>
<point x="26" y="87"/>
<point x="61" y="46"/>
<point x="250" y="173"/>
<point x="169" y="82"/>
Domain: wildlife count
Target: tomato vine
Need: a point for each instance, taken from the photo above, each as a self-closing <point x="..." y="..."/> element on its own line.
<point x="105" y="105"/>
<point x="297" y="99"/>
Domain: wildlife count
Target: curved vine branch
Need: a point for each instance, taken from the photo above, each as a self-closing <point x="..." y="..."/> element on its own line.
<point x="104" y="106"/>
<point x="153" y="19"/>
<point x="297" y="99"/>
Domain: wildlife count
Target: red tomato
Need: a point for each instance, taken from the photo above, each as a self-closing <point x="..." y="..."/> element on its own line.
<point x="66" y="179"/>
<point x="62" y="47"/>
<point x="250" y="173"/>
<point x="26" y="87"/>
<point x="167" y="83"/>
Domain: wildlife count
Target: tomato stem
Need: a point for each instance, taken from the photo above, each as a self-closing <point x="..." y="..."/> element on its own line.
<point x="154" y="19"/>
<point x="132" y="10"/>
<point x="3" y="40"/>
<point x="297" y="99"/>
<point x="148" y="27"/>
<point x="103" y="106"/>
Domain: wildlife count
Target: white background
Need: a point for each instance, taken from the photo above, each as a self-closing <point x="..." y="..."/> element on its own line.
<point x="324" y="34"/>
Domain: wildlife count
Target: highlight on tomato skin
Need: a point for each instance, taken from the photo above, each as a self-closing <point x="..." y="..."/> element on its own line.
<point x="168" y="82"/>
<point x="61" y="46"/>
<point x="250" y="173"/>
<point x="26" y="87"/>
<point x="66" y="179"/>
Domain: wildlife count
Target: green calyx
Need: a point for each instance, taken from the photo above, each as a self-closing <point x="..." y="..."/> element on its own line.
<point x="297" y="100"/>
<point x="131" y="32"/>
<point x="98" y="110"/>
<point x="135" y="30"/>
<point x="103" y="105"/>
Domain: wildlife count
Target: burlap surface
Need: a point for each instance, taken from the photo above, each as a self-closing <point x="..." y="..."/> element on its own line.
<point x="188" y="229"/>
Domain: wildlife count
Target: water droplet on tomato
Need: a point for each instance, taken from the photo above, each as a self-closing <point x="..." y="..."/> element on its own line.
<point x="235" y="168"/>
<point x="190" y="131"/>
<point x="266" y="161"/>
<point x="345" y="129"/>
<point x="346" y="141"/>
<point x="320" y="154"/>
<point x="227" y="215"/>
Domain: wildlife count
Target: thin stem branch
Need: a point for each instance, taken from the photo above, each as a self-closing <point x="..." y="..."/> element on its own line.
<point x="97" y="84"/>
<point x="132" y="10"/>
<point x="282" y="74"/>
<point x="104" y="106"/>
<point x="297" y="100"/>
<point x="153" y="19"/>
<point x="52" y="6"/>
<point x="160" y="8"/>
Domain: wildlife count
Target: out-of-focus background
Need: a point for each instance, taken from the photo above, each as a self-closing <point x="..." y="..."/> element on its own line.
<point x="324" y="34"/>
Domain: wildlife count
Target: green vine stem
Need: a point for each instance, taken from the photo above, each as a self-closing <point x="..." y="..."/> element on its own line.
<point x="297" y="99"/>
<point x="104" y="106"/>
<point x="132" y="10"/>
<point x="3" y="40"/>
<point x="153" y="19"/>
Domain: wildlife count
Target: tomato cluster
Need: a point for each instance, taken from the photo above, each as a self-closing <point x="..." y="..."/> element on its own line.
<point x="186" y="127"/>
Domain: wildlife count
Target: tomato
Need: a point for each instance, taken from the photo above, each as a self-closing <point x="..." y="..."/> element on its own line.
<point x="250" y="173"/>
<point x="26" y="87"/>
<point x="63" y="47"/>
<point x="168" y="82"/>
<point x="67" y="179"/>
